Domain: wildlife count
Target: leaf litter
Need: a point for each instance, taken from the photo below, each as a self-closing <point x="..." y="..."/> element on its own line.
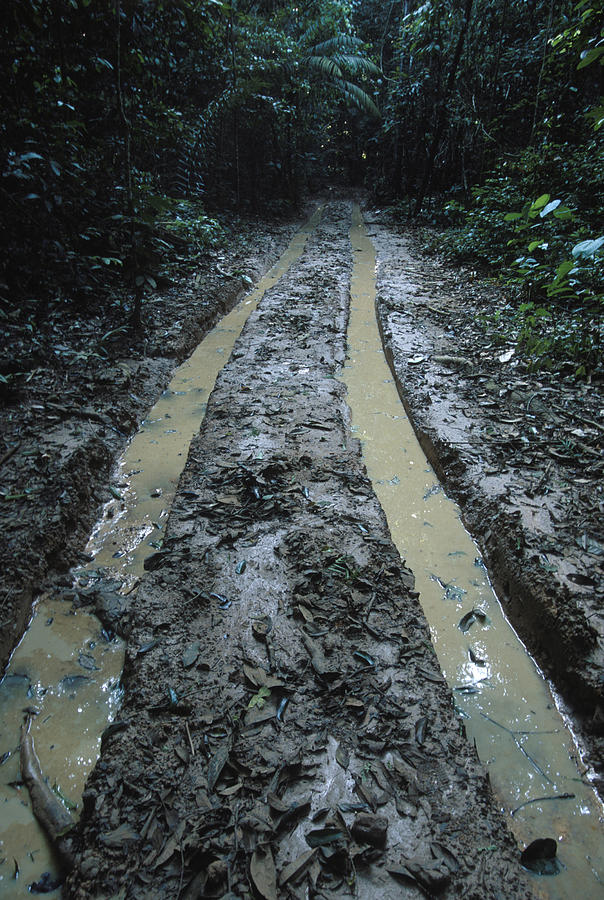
<point x="366" y="780"/>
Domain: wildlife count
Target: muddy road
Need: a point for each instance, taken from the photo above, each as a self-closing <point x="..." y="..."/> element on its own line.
<point x="285" y="728"/>
<point x="284" y="717"/>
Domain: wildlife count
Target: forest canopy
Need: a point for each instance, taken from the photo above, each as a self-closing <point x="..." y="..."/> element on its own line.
<point x="131" y="126"/>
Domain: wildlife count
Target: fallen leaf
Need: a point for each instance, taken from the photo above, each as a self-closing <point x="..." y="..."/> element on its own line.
<point x="217" y="764"/>
<point x="263" y="873"/>
<point x="297" y="867"/>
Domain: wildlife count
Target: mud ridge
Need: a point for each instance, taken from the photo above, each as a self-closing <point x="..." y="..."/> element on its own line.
<point x="286" y="727"/>
<point x="511" y="501"/>
<point x="65" y="423"/>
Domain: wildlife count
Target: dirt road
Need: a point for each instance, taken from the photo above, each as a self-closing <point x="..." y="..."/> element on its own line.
<point x="285" y="724"/>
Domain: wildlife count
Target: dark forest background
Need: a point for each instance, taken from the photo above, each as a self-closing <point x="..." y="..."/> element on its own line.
<point x="134" y="134"/>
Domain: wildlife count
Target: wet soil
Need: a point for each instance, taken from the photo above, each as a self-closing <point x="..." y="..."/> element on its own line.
<point x="76" y="398"/>
<point x="285" y="726"/>
<point x="521" y="452"/>
<point x="285" y="722"/>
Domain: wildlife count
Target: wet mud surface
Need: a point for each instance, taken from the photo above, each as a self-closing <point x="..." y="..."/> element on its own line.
<point x="521" y="452"/>
<point x="80" y="394"/>
<point x="286" y="730"/>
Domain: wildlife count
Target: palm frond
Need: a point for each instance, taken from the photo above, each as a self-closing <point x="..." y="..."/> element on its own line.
<point x="355" y="64"/>
<point x="324" y="64"/>
<point x="338" y="43"/>
<point x="358" y="97"/>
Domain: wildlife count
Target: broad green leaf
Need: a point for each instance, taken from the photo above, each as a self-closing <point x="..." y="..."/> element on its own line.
<point x="590" y="56"/>
<point x="512" y="216"/>
<point x="539" y="203"/>
<point x="564" y="213"/>
<point x="563" y="270"/>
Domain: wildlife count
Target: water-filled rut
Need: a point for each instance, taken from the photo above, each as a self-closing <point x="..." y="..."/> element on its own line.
<point x="505" y="703"/>
<point x="67" y="667"/>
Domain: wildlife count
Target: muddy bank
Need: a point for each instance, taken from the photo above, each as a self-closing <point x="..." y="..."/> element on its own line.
<point x="285" y="725"/>
<point x="520" y="452"/>
<point x="84" y="385"/>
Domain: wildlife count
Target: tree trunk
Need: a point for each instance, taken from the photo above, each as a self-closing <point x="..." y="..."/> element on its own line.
<point x="441" y="119"/>
<point x="132" y="266"/>
<point x="541" y="71"/>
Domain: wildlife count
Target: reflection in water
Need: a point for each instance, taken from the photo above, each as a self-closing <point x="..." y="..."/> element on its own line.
<point x="67" y="667"/>
<point x="505" y="703"/>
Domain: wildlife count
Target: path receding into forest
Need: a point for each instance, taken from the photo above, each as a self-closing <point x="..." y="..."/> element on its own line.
<point x="285" y="721"/>
<point x="286" y="729"/>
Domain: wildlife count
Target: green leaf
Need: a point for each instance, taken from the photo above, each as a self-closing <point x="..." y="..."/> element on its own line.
<point x="512" y="216"/>
<point x="260" y="698"/>
<point x="590" y="56"/>
<point x="564" y="213"/>
<point x="563" y="270"/>
<point x="539" y="203"/>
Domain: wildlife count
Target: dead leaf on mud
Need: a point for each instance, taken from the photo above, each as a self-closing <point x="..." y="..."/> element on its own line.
<point x="120" y="837"/>
<point x="217" y="764"/>
<point x="420" y="730"/>
<point x="319" y="837"/>
<point x="370" y="829"/>
<point x="263" y="873"/>
<point x="582" y="580"/>
<point x="428" y="876"/>
<point x="342" y="756"/>
<point x="189" y="657"/>
<point x="297" y="867"/>
<point x="262" y="626"/>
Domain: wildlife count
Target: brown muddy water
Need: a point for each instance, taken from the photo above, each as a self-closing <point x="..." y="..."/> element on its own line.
<point x="66" y="667"/>
<point x="505" y="703"/>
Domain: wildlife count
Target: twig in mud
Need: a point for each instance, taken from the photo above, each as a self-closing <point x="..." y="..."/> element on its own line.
<point x="386" y="696"/>
<point x="575" y="415"/>
<point x="189" y="737"/>
<point x="8" y="594"/>
<point x="532" y="761"/>
<point x="373" y="593"/>
<point x="133" y="587"/>
<point x="539" y="799"/>
<point x="7" y="455"/>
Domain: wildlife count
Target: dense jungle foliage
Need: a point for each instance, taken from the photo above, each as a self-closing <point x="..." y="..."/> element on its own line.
<point x="130" y="126"/>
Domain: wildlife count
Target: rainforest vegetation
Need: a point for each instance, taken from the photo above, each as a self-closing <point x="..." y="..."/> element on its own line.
<point x="135" y="132"/>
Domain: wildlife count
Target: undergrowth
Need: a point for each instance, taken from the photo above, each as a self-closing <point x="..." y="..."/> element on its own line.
<point x="536" y="224"/>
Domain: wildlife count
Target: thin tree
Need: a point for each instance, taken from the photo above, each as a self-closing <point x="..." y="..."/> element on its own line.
<point x="442" y="111"/>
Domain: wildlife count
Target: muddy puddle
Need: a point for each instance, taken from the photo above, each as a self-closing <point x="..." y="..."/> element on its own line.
<point x="506" y="705"/>
<point x="66" y="670"/>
